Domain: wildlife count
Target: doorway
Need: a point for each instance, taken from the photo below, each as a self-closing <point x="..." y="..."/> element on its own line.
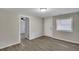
<point x="24" y="27"/>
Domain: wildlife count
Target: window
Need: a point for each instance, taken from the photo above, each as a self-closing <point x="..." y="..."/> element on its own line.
<point x="64" y="24"/>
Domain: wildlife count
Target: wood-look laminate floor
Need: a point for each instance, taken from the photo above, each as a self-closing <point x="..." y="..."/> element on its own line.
<point x="43" y="44"/>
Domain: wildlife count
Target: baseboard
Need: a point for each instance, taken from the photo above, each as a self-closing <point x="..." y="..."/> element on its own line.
<point x="74" y="42"/>
<point x="48" y="36"/>
<point x="9" y="45"/>
<point x="32" y="38"/>
<point x="38" y="37"/>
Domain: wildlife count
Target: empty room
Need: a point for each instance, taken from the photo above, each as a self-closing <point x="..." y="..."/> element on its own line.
<point x="39" y="29"/>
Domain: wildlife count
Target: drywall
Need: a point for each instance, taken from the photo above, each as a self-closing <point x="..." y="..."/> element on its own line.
<point x="67" y="36"/>
<point x="22" y="27"/>
<point x="35" y="27"/>
<point x="9" y="29"/>
<point x="27" y="28"/>
<point x="48" y="27"/>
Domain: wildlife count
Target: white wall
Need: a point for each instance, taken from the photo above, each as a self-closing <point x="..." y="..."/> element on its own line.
<point x="48" y="27"/>
<point x="27" y="28"/>
<point x="22" y="27"/>
<point x="35" y="27"/>
<point x="9" y="29"/>
<point x="67" y="36"/>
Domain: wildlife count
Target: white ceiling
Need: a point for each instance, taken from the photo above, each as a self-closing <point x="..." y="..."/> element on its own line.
<point x="38" y="13"/>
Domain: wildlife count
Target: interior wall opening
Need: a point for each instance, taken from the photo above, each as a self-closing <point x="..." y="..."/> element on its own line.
<point x="24" y="27"/>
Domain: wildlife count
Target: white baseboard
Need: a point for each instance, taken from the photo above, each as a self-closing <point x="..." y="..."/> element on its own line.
<point x="76" y="42"/>
<point x="48" y="36"/>
<point x="10" y="45"/>
<point x="34" y="37"/>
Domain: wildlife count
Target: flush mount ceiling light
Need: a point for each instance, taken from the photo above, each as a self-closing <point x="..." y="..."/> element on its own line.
<point x="43" y="9"/>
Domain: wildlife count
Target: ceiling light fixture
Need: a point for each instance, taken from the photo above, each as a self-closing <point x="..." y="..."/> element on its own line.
<point x="43" y="9"/>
